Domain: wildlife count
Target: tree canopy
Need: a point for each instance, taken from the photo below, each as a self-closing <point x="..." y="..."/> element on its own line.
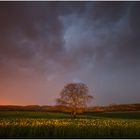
<point x="75" y="96"/>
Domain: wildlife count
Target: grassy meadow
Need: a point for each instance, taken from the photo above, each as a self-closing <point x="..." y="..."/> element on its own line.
<point x="23" y="124"/>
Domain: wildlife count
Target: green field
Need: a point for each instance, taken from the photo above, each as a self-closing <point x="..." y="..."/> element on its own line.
<point x="21" y="124"/>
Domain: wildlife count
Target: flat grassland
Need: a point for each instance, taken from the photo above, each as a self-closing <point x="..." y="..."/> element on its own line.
<point x="22" y="124"/>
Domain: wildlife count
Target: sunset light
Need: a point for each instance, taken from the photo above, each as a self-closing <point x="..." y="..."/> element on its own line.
<point x="69" y="69"/>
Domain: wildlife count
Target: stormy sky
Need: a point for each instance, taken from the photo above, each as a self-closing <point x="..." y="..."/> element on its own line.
<point x="45" y="45"/>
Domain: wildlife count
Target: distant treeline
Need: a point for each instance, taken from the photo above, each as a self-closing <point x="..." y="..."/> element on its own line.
<point x="109" y="108"/>
<point x="115" y="107"/>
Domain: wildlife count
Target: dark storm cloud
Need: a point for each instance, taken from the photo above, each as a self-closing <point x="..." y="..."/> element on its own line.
<point x="103" y="42"/>
<point x="29" y="26"/>
<point x="108" y="11"/>
<point x="94" y="42"/>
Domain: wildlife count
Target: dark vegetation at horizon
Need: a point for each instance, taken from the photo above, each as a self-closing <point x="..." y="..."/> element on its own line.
<point x="59" y="108"/>
<point x="61" y="115"/>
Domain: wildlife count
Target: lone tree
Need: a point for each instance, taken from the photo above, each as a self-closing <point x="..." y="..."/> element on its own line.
<point x="75" y="97"/>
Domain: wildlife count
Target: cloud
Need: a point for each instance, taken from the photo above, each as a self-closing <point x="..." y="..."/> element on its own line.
<point x="58" y="42"/>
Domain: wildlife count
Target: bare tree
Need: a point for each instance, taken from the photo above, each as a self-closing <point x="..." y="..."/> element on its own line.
<point x="74" y="96"/>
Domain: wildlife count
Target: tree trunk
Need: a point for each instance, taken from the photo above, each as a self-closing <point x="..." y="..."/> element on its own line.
<point x="74" y="114"/>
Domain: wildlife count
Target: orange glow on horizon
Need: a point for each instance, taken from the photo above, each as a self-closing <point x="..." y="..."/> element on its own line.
<point x="6" y="101"/>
